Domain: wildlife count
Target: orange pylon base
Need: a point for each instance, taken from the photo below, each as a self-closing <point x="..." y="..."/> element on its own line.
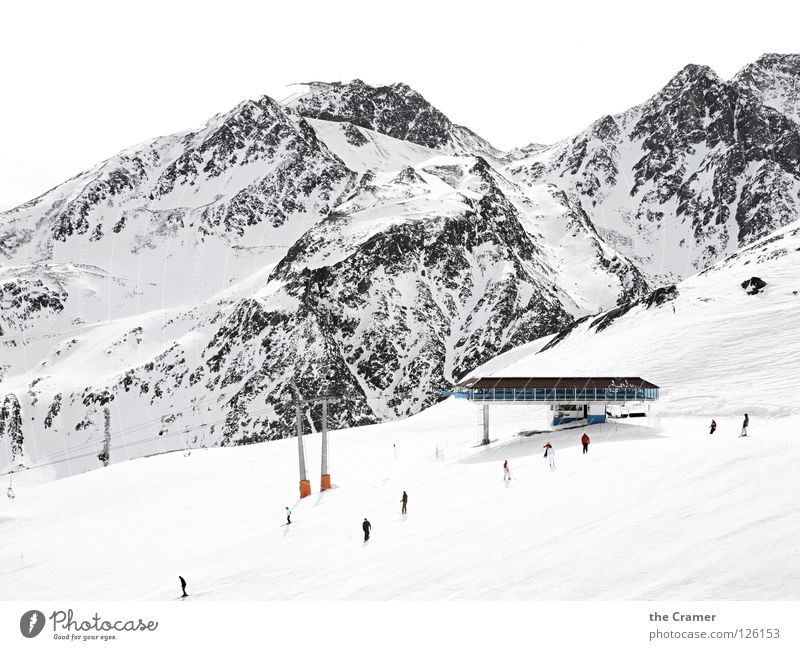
<point x="305" y="489"/>
<point x="326" y="482"/>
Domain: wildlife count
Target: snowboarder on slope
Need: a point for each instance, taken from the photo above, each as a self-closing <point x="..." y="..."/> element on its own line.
<point x="404" y="501"/>
<point x="506" y="471"/>
<point x="550" y="453"/>
<point x="585" y="442"/>
<point x="745" y="424"/>
<point x="366" y="527"/>
<point x="288" y="515"/>
<point x="183" y="586"/>
<point x="713" y="427"/>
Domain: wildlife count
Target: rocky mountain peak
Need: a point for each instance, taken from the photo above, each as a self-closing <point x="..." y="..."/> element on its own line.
<point x="693" y="72"/>
<point x="693" y="88"/>
<point x="605" y="128"/>
<point x="779" y="62"/>
<point x="774" y="80"/>
<point x="396" y="110"/>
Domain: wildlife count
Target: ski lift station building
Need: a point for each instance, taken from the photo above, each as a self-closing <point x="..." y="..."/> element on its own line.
<point x="570" y="399"/>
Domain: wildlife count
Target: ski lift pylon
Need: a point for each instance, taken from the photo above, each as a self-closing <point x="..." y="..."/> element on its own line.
<point x="187" y="446"/>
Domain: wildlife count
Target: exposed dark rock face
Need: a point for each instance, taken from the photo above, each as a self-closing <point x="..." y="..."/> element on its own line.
<point x="27" y="297"/>
<point x="657" y="298"/>
<point x="53" y="411"/>
<point x="772" y="80"/>
<point x="11" y="425"/>
<point x="564" y="333"/>
<point x="754" y="285"/>
<point x="353" y="135"/>
<point x="396" y="110"/>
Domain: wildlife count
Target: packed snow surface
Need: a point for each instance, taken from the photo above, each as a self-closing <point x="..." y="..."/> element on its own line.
<point x="655" y="510"/>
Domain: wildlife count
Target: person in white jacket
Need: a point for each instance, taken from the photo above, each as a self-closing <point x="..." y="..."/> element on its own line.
<point x="550" y="454"/>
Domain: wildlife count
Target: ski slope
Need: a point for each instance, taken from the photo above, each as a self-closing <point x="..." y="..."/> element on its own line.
<point x="663" y="511"/>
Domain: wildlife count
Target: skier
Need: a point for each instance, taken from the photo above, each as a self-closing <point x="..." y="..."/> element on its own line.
<point x="550" y="453"/>
<point x="366" y="527"/>
<point x="288" y="515"/>
<point x="404" y="501"/>
<point x="585" y="442"/>
<point x="713" y="427"/>
<point x="183" y="587"/>
<point x="506" y="471"/>
<point x="745" y="424"/>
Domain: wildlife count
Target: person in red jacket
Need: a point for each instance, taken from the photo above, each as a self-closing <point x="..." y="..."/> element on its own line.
<point x="506" y="471"/>
<point x="585" y="442"/>
<point x="713" y="427"/>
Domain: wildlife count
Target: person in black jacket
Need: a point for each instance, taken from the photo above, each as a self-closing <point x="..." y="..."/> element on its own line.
<point x="745" y="424"/>
<point x="366" y="527"/>
<point x="404" y="501"/>
<point x="183" y="586"/>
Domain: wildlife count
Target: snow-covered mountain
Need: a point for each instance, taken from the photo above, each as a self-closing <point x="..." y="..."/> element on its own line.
<point x="702" y="167"/>
<point x="357" y="242"/>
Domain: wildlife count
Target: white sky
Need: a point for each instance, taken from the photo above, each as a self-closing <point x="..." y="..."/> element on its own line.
<point x="82" y="80"/>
